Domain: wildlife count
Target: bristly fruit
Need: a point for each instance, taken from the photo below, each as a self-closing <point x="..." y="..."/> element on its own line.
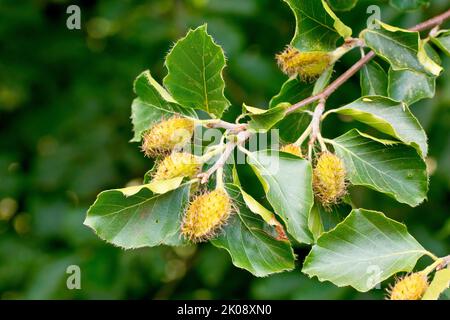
<point x="292" y="149"/>
<point x="329" y="181"/>
<point x="410" y="287"/>
<point x="205" y="215"/>
<point x="308" y="65"/>
<point x="178" y="164"/>
<point x="166" y="135"/>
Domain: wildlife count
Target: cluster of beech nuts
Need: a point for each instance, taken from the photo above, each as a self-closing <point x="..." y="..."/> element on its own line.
<point x="208" y="211"/>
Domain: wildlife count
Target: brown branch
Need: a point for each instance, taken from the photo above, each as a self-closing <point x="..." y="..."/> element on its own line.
<point x="360" y="63"/>
<point x="217" y="123"/>
<point x="432" y="22"/>
<point x="315" y="122"/>
<point x="241" y="129"/>
<point x="204" y="176"/>
<point x="445" y="262"/>
<point x="230" y="146"/>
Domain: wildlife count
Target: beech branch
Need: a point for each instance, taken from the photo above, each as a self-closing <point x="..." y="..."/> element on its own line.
<point x="217" y="123"/>
<point x="428" y="24"/>
<point x="204" y="177"/>
<point x="229" y="148"/>
<point x="315" y="122"/>
<point x="241" y="129"/>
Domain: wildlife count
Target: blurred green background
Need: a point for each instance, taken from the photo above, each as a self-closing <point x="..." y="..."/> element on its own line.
<point x="65" y="99"/>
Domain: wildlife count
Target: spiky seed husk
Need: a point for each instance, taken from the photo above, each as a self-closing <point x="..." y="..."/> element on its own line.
<point x="329" y="181"/>
<point x="205" y="215"/>
<point x="308" y="65"/>
<point x="166" y="135"/>
<point x="410" y="287"/>
<point x="177" y="164"/>
<point x="292" y="149"/>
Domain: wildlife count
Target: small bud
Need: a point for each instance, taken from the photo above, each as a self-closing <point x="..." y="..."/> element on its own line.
<point x="410" y="287"/>
<point x="205" y="215"/>
<point x="292" y="149"/>
<point x="308" y="65"/>
<point x="179" y="164"/>
<point x="166" y="135"/>
<point x="329" y="179"/>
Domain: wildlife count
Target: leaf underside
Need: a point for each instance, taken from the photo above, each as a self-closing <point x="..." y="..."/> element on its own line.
<point x="390" y="117"/>
<point x="396" y="170"/>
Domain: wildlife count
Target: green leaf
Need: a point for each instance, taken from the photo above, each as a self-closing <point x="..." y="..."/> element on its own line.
<point x="251" y="202"/>
<point x="388" y="116"/>
<point x="287" y="182"/>
<point x="431" y="52"/>
<point x="257" y="208"/>
<point x="235" y="176"/>
<point x="151" y="92"/>
<point x="406" y="5"/>
<point x="343" y="30"/>
<point x="315" y="223"/>
<point x="143" y="219"/>
<point x="265" y="214"/>
<point x="443" y="41"/>
<point x="262" y="120"/>
<point x="317" y="28"/>
<point x="440" y="283"/>
<point x="156" y="186"/>
<point x="164" y="186"/>
<point x="342" y="5"/>
<point x="396" y="170"/>
<point x="410" y="86"/>
<point x="293" y="91"/>
<point x="194" y="78"/>
<point x="251" y="243"/>
<point x="291" y="127"/>
<point x="322" y="220"/>
<point x="363" y="250"/>
<point x="373" y="79"/>
<point x="323" y="81"/>
<point x="152" y="104"/>
<point x="403" y="49"/>
<point x="143" y="116"/>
